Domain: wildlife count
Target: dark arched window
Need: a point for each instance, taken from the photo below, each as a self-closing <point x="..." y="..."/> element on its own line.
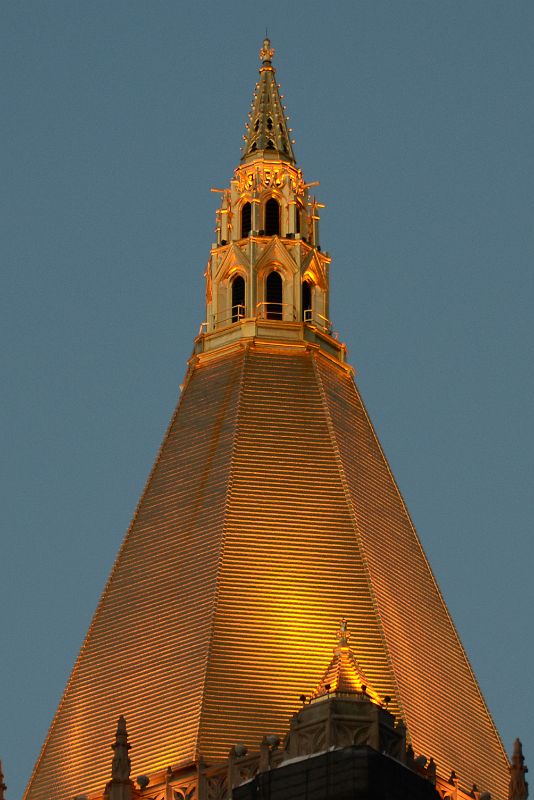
<point x="273" y="295"/>
<point x="238" y="298"/>
<point x="297" y="219"/>
<point x="246" y="220"/>
<point x="306" y="301"/>
<point x="272" y="217"/>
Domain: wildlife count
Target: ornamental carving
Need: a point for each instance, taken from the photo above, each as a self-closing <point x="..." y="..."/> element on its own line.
<point x="209" y="284"/>
<point x="248" y="771"/>
<point x="184" y="793"/>
<point x="216" y="788"/>
<point x="267" y="177"/>
<point x="272" y="177"/>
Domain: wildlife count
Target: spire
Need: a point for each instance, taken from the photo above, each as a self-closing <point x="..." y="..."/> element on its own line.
<point x="518" y="787"/>
<point x="3" y="787"/>
<point x="344" y="675"/>
<point x="267" y="130"/>
<point x="120" y="767"/>
<point x="120" y="787"/>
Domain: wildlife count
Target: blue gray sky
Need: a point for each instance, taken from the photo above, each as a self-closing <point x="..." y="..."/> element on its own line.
<point x="417" y="118"/>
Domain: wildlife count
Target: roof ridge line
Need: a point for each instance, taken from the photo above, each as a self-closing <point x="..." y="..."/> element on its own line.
<point x="221" y="548"/>
<point x="350" y="504"/>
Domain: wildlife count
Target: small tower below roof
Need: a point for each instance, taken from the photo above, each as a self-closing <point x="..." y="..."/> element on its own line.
<point x="268" y="134"/>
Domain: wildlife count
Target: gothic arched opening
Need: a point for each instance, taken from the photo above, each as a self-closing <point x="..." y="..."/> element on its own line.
<point x="273" y="295"/>
<point x="272" y="217"/>
<point x="307" y="300"/>
<point x="246" y="220"/>
<point x="238" y="298"/>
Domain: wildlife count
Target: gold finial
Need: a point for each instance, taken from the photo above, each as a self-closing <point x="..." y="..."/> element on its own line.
<point x="343" y="634"/>
<point x="266" y="52"/>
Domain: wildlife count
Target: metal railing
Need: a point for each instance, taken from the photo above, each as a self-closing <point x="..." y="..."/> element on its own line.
<point x="272" y="311"/>
<point x="269" y="310"/>
<point x="235" y="314"/>
<point x="312" y="317"/>
<point x="238" y="312"/>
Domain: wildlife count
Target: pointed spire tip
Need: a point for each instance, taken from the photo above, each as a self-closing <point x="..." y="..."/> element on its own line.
<point x="268" y="136"/>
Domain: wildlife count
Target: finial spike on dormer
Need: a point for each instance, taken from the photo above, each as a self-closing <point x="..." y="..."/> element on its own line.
<point x="343" y="634"/>
<point x="518" y="787"/>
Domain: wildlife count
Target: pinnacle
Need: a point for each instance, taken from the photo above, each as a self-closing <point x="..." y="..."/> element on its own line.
<point x="518" y="750"/>
<point x="267" y="132"/>
<point x="518" y="787"/>
<point x="120" y="768"/>
<point x="3" y="787"/>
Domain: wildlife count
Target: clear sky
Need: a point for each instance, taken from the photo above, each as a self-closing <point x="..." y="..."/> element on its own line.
<point x="417" y="118"/>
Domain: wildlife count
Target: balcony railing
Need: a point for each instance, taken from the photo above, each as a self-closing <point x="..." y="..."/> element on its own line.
<point x="312" y="317"/>
<point x="238" y="312"/>
<point x="235" y="314"/>
<point x="269" y="310"/>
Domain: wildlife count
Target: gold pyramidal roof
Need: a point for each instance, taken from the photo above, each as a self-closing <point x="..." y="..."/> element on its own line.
<point x="267" y="513"/>
<point x="270" y="512"/>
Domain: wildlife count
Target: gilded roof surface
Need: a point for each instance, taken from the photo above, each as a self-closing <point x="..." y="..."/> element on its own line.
<point x="270" y="513"/>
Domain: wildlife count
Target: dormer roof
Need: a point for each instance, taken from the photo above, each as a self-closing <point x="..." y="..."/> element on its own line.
<point x="344" y="676"/>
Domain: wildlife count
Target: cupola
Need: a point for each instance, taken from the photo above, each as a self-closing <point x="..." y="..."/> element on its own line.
<point x="267" y="274"/>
